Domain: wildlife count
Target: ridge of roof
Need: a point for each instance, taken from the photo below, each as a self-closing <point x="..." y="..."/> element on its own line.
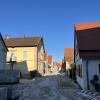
<point x="84" y="26"/>
<point x="24" y="37"/>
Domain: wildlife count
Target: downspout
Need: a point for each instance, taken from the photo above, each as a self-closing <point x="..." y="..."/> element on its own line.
<point x="87" y="73"/>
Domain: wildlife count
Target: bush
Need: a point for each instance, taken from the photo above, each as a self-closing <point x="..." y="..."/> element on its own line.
<point x="96" y="78"/>
<point x="95" y="82"/>
<point x="34" y="74"/>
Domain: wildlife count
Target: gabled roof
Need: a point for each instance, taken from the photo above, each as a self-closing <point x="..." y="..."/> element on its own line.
<point x="88" y="39"/>
<point x="23" y="42"/>
<point x="69" y="54"/>
<point x="3" y="41"/>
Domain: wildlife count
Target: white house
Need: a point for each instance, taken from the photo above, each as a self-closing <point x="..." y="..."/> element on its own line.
<point x="3" y="52"/>
<point x="87" y="53"/>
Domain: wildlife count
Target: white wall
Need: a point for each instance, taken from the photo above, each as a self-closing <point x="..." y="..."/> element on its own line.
<point x="84" y="74"/>
<point x="93" y="68"/>
<point x="80" y="79"/>
<point x="41" y="63"/>
<point x="78" y="61"/>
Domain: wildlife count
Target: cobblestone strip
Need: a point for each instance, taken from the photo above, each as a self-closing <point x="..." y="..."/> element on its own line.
<point x="69" y="90"/>
<point x="60" y="89"/>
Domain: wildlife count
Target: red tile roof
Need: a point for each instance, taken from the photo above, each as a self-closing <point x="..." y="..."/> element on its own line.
<point x="50" y="59"/>
<point x="88" y="38"/>
<point x="69" y="54"/>
<point x="84" y="26"/>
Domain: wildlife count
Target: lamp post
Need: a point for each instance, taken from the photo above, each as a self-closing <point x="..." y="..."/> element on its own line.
<point x="12" y="62"/>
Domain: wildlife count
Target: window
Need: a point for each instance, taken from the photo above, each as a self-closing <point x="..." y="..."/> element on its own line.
<point x="24" y="55"/>
<point x="79" y="70"/>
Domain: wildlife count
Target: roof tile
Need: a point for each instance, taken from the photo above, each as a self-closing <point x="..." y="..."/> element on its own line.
<point x="88" y="38"/>
<point x="19" y="42"/>
<point x="69" y="54"/>
<point x="84" y="26"/>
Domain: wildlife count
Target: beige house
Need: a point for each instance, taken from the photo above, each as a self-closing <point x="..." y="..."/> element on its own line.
<point x="3" y="52"/>
<point x="26" y="54"/>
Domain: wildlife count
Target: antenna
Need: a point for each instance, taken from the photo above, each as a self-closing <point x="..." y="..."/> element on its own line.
<point x="6" y="36"/>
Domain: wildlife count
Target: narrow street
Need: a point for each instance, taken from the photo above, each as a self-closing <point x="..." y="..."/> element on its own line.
<point x="46" y="88"/>
<point x="54" y="87"/>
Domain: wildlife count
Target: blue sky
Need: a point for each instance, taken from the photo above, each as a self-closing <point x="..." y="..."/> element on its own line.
<point x="52" y="19"/>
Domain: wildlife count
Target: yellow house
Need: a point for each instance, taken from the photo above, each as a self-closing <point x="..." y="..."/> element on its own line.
<point x="26" y="55"/>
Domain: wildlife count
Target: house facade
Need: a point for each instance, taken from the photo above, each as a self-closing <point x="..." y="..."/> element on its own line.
<point x="87" y="53"/>
<point x="3" y="52"/>
<point x="69" y="58"/>
<point x="46" y="62"/>
<point x="50" y="63"/>
<point x="27" y="53"/>
<point x="57" y="67"/>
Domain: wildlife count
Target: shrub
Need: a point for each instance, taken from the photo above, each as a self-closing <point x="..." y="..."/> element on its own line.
<point x="95" y="78"/>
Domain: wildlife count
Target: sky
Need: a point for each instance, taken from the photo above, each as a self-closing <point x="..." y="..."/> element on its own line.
<point x="52" y="19"/>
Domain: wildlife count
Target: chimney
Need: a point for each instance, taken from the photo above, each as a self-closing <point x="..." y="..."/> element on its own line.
<point x="24" y="36"/>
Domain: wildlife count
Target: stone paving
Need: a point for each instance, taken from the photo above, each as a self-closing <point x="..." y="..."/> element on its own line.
<point x="53" y="87"/>
<point x="45" y="88"/>
<point x="71" y="90"/>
